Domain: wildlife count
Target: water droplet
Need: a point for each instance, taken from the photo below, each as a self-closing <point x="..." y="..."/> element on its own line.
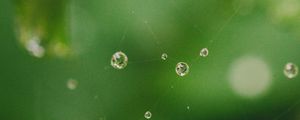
<point x="188" y="107"/>
<point x="164" y="56"/>
<point x="204" y="52"/>
<point x="182" y="68"/>
<point x="290" y="70"/>
<point x="34" y="47"/>
<point x="148" y="115"/>
<point x="119" y="60"/>
<point x="72" y="84"/>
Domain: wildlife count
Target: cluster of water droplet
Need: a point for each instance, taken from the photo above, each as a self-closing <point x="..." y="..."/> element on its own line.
<point x="119" y="60"/>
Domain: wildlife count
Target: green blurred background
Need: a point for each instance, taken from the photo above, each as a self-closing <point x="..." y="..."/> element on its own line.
<point x="80" y="37"/>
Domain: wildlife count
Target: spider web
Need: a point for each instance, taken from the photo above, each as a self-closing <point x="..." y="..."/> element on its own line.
<point x="172" y="60"/>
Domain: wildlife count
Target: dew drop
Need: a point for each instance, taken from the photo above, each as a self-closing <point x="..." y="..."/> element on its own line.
<point x="72" y="84"/>
<point x="148" y="115"/>
<point x="182" y="69"/>
<point x="164" y="56"/>
<point x="204" y="52"/>
<point x="290" y="70"/>
<point x="188" y="107"/>
<point x="119" y="60"/>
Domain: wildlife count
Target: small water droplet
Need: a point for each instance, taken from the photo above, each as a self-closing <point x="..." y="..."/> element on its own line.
<point x="148" y="115"/>
<point x="72" y="84"/>
<point x="119" y="60"/>
<point x="290" y="70"/>
<point x="188" y="107"/>
<point x="164" y="56"/>
<point x="182" y="68"/>
<point x="34" y="47"/>
<point x="204" y="52"/>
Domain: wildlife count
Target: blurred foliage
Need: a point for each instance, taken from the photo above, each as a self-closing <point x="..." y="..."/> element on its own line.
<point x="91" y="31"/>
<point x="43" y="21"/>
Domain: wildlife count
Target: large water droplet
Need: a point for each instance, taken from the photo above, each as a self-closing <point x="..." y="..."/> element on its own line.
<point x="148" y="115"/>
<point x="182" y="69"/>
<point x="119" y="60"/>
<point x="290" y="70"/>
<point x="204" y="52"/>
<point x="164" y="56"/>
